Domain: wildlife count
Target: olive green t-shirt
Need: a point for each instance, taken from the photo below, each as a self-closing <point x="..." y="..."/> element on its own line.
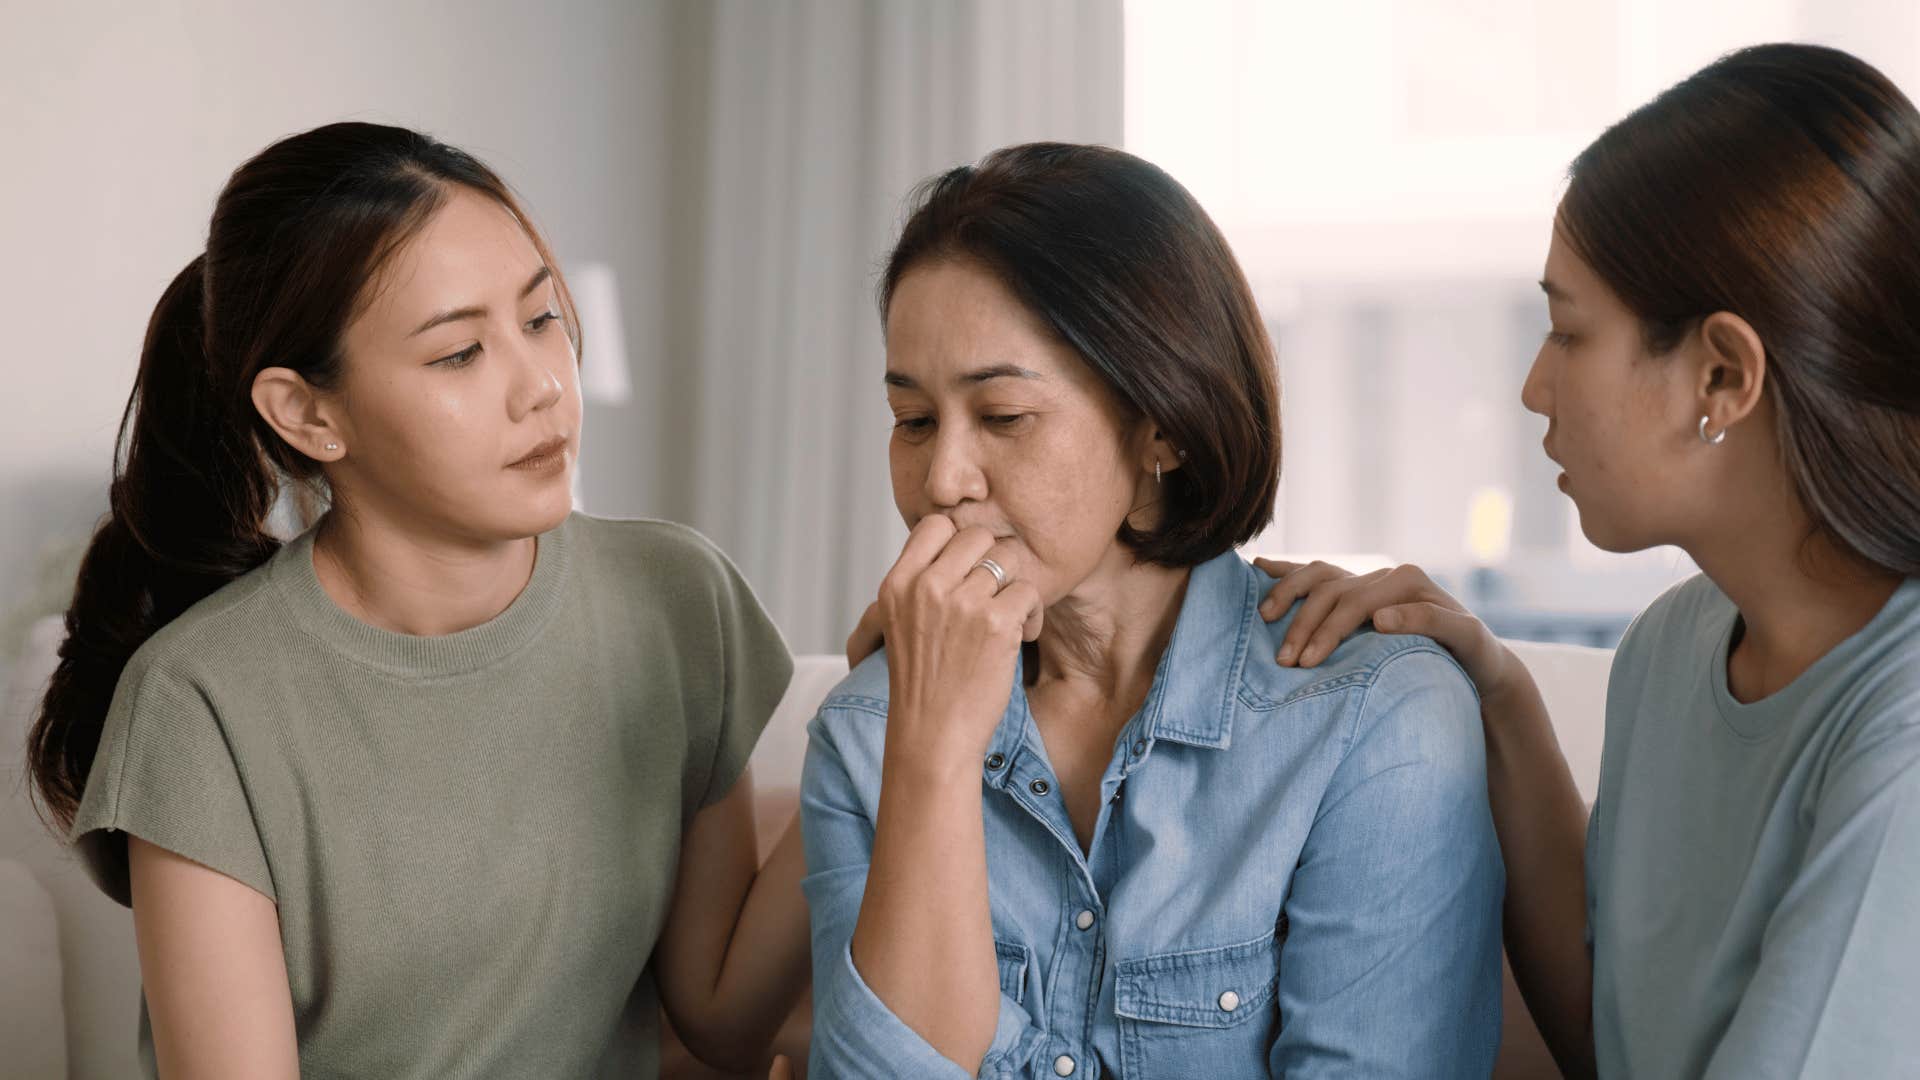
<point x="471" y="839"/>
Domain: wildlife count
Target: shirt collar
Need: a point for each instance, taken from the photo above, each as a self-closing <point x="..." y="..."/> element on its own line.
<point x="1192" y="700"/>
<point x="1194" y="686"/>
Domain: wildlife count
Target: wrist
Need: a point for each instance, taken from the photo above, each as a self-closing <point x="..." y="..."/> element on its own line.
<point x="931" y="765"/>
<point x="1508" y="696"/>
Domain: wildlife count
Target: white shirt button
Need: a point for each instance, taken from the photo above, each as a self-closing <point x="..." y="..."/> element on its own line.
<point x="1229" y="1001"/>
<point x="1084" y="920"/>
<point x="1063" y="1066"/>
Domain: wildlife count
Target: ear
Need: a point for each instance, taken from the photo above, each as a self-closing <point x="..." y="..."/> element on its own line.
<point x="1158" y="451"/>
<point x="1732" y="370"/>
<point x="302" y="416"/>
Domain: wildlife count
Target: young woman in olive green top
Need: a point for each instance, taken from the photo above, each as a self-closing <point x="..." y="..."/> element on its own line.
<point x="448" y="785"/>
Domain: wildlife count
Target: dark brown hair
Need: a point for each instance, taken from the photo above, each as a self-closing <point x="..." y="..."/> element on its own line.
<point x="1121" y="262"/>
<point x="1782" y="184"/>
<point x="297" y="235"/>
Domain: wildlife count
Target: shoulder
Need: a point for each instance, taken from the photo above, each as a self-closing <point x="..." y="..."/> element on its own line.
<point x="220" y="634"/>
<point x="1418" y="704"/>
<point x="851" y="725"/>
<point x="1365" y="663"/>
<point x="1682" y="619"/>
<point x="664" y="565"/>
<point x="1881" y="688"/>
<point x="859" y="699"/>
<point x="655" y="547"/>
<point x="1386" y="683"/>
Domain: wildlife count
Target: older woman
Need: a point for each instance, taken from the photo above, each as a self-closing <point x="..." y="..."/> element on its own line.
<point x="1075" y="820"/>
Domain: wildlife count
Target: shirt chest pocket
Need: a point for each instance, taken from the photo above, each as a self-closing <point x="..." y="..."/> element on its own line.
<point x="1204" y="1012"/>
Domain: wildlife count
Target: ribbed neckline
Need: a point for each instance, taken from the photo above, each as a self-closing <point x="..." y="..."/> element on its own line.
<point x="413" y="656"/>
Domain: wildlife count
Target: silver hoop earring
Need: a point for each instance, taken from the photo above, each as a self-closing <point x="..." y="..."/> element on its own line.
<point x="1714" y="440"/>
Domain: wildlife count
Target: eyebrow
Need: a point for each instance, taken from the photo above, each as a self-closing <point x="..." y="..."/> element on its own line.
<point x="480" y="311"/>
<point x="1555" y="292"/>
<point x="968" y="378"/>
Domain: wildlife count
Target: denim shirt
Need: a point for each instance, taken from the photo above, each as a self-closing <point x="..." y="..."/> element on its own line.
<point x="1293" y="872"/>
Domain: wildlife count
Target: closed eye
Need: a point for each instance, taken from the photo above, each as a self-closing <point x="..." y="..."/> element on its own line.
<point x="541" y="321"/>
<point x="1558" y="339"/>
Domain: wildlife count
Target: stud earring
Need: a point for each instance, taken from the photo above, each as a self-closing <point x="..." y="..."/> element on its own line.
<point x="333" y="446"/>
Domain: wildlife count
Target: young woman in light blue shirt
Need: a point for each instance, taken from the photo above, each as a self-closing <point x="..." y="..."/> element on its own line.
<point x="1075" y="821"/>
<point x="1734" y="368"/>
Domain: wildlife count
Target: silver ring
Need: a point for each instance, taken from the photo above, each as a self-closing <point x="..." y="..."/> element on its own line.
<point x="999" y="575"/>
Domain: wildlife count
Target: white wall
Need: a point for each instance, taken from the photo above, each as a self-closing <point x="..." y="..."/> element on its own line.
<point x="119" y="122"/>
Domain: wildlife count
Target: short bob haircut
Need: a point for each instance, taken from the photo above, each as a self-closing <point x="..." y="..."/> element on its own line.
<point x="1123" y="264"/>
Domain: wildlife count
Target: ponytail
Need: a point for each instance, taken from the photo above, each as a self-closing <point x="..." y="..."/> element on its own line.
<point x="187" y="511"/>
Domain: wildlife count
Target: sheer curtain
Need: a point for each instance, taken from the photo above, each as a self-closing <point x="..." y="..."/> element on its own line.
<point x="813" y="122"/>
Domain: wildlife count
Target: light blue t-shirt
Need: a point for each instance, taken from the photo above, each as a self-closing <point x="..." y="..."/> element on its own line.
<point x="1753" y="871"/>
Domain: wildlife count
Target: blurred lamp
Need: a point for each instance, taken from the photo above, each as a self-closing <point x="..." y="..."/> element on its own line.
<point x="604" y="377"/>
<point x="1490" y="525"/>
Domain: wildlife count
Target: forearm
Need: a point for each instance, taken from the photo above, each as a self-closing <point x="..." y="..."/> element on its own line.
<point x="1541" y="822"/>
<point x="765" y="966"/>
<point x="924" y="939"/>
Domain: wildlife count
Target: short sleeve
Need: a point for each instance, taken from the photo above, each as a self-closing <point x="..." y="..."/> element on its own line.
<point x="165" y="772"/>
<point x="755" y="670"/>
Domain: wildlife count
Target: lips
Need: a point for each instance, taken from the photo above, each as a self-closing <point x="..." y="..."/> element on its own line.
<point x="545" y="453"/>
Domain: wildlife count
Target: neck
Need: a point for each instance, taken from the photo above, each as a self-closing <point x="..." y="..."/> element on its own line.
<point x="412" y="581"/>
<point x="1799" y="596"/>
<point x="1106" y="637"/>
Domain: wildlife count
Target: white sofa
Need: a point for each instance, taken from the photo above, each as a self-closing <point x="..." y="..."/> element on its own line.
<point x="69" y="979"/>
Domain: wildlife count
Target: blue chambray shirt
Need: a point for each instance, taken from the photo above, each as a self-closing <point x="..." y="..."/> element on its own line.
<point x="1293" y="872"/>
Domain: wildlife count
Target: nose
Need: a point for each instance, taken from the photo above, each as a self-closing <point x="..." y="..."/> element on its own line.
<point x="953" y="474"/>
<point x="1536" y="394"/>
<point x="536" y="385"/>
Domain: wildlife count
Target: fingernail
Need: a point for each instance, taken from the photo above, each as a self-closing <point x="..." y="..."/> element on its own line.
<point x="1266" y="608"/>
<point x="1286" y="654"/>
<point x="1386" y="620"/>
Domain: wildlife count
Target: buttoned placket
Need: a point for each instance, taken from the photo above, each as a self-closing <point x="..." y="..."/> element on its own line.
<point x="1017" y="767"/>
